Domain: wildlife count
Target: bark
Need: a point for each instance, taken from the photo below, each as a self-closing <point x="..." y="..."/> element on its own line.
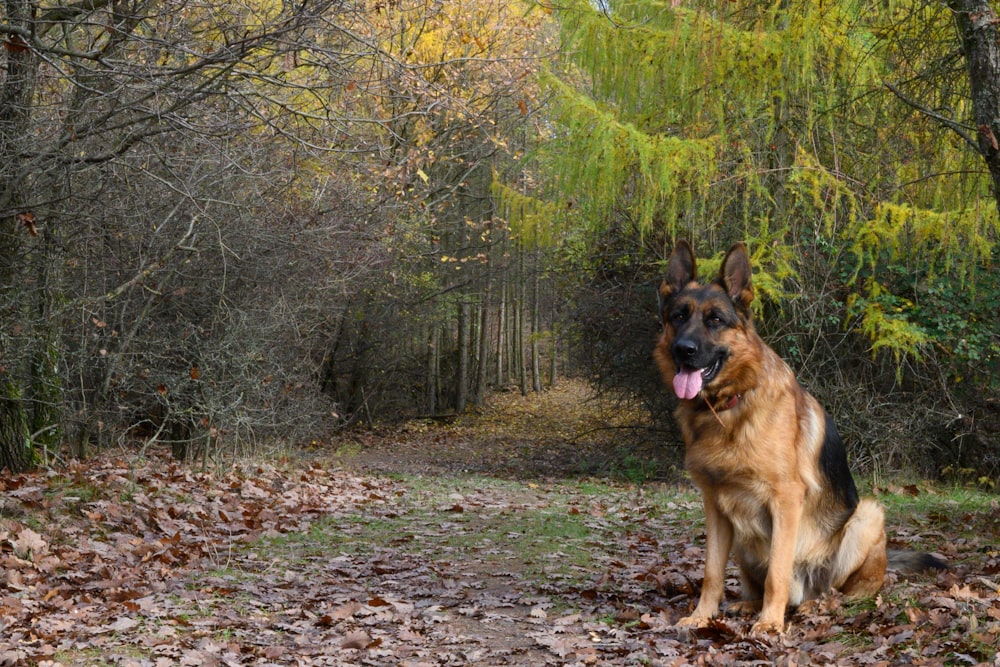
<point x="45" y="390"/>
<point x="553" y="357"/>
<point x="433" y="369"/>
<point x="502" y="338"/>
<point x="462" y="390"/>
<point x="15" y="116"/>
<point x="519" y="316"/>
<point x="15" y="102"/>
<point x="15" y="451"/>
<point x="536" y="353"/>
<point x="976" y="22"/>
<point x="482" y="374"/>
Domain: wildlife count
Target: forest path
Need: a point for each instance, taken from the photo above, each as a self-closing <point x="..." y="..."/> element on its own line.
<point x="563" y="431"/>
<point x="480" y="542"/>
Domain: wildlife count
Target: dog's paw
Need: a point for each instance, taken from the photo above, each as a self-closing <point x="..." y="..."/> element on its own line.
<point x="693" y="621"/>
<point x="763" y="627"/>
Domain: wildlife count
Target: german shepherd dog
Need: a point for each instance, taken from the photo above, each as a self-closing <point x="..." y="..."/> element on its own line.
<point x="768" y="461"/>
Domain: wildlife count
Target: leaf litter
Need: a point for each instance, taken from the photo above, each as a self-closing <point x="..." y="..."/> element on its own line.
<point x="120" y="561"/>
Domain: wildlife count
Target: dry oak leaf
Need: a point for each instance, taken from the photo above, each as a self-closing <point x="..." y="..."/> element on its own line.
<point x="357" y="639"/>
<point x="29" y="545"/>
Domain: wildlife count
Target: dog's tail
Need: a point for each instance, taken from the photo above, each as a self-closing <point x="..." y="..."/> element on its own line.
<point x="914" y="562"/>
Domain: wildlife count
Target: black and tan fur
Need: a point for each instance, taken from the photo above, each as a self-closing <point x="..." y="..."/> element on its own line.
<point x="767" y="458"/>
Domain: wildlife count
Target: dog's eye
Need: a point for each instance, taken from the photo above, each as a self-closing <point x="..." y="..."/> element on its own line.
<point x="712" y="320"/>
<point x="678" y="317"/>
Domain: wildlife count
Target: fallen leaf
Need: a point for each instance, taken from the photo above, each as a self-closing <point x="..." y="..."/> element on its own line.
<point x="358" y="639"/>
<point x="29" y="545"/>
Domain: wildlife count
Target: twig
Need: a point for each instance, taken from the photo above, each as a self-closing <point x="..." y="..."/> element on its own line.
<point x="959" y="129"/>
<point x="146" y="272"/>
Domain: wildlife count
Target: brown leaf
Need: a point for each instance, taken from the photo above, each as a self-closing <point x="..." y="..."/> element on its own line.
<point x="357" y="639"/>
<point x="119" y="625"/>
<point x="15" y="44"/>
<point x="963" y="593"/>
<point x="29" y="545"/>
<point x="986" y="138"/>
<point x="28" y="220"/>
<point x="345" y="611"/>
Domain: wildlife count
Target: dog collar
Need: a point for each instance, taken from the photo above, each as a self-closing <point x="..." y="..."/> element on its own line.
<point x="729" y="405"/>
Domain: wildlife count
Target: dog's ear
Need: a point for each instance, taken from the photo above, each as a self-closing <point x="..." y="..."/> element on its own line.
<point x="680" y="269"/>
<point x="735" y="278"/>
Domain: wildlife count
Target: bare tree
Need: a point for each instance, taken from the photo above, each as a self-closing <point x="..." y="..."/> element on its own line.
<point x="131" y="159"/>
<point x="213" y="214"/>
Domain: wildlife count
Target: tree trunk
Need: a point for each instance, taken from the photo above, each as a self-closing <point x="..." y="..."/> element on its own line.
<point x="358" y="401"/>
<point x="15" y="451"/>
<point x="15" y="116"/>
<point x="502" y="338"/>
<point x="46" y="395"/>
<point x="553" y="356"/>
<point x="536" y="325"/>
<point x="46" y="387"/>
<point x="15" y="101"/>
<point x="462" y="390"/>
<point x="977" y="28"/>
<point x="433" y="368"/>
<point x="519" y="306"/>
<point x="482" y="374"/>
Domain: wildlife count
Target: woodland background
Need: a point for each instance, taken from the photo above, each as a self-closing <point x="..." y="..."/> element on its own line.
<point x="230" y="224"/>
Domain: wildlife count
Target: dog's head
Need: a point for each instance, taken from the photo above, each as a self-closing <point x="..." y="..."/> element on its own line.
<point x="703" y="324"/>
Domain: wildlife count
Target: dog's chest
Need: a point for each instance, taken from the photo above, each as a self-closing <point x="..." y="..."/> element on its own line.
<point x="728" y="462"/>
<point x="739" y="489"/>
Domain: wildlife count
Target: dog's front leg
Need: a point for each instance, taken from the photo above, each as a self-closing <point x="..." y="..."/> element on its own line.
<point x="718" y="541"/>
<point x="786" y="514"/>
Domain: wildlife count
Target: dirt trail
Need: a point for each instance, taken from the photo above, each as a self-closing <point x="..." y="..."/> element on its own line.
<point x="477" y="542"/>
<point x="564" y="431"/>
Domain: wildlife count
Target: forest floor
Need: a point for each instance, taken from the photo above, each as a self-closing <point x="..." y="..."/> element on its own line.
<point x="525" y="534"/>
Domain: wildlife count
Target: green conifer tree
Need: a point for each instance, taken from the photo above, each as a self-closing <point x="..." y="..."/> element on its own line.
<point x="780" y="124"/>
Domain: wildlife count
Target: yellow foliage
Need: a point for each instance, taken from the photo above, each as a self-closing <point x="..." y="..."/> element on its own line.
<point x="888" y="332"/>
<point x="460" y="51"/>
<point x="533" y="219"/>
<point x="612" y="158"/>
<point x="952" y="240"/>
<point x="772" y="123"/>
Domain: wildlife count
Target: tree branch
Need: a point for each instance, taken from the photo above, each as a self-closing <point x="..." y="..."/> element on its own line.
<point x="146" y="272"/>
<point x="963" y="131"/>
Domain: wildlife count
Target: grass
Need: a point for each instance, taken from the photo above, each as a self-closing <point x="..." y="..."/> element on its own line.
<point x="496" y="524"/>
<point x="463" y="518"/>
<point x="942" y="517"/>
<point x="637" y="469"/>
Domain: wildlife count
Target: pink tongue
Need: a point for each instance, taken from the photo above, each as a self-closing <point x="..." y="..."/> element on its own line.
<point x="687" y="383"/>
